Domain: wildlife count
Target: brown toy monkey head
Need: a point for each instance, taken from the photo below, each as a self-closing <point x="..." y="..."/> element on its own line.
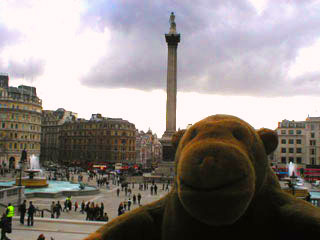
<point x="221" y="162"/>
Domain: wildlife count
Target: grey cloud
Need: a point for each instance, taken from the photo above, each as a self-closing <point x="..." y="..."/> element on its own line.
<point x="226" y="47"/>
<point x="28" y="68"/>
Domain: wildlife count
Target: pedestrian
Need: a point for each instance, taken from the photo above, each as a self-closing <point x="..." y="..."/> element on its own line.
<point x="139" y="198"/>
<point x="167" y="187"/>
<point x="76" y="206"/>
<point x="52" y="209"/>
<point x="91" y="211"/>
<point x="120" y="209"/>
<point x="155" y="188"/>
<point x="151" y="190"/>
<point x="82" y="206"/>
<point x="58" y="209"/>
<point x="125" y="204"/>
<point x="6" y="226"/>
<point x="22" y="210"/>
<point x="129" y="204"/>
<point x="10" y="212"/>
<point x="163" y="186"/>
<point x="69" y="204"/>
<point x="65" y="206"/>
<point x="101" y="209"/>
<point x="134" y="199"/>
<point x="31" y="211"/>
<point x="87" y="210"/>
<point x="118" y="192"/>
<point x="41" y="237"/>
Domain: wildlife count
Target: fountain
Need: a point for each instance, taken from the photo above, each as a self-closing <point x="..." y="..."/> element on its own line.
<point x="31" y="181"/>
<point x="292" y="170"/>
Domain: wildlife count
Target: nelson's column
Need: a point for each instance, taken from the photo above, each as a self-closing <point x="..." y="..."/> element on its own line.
<point x="172" y="39"/>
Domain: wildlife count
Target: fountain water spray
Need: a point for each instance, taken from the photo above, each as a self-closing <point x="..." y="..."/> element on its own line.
<point x="292" y="169"/>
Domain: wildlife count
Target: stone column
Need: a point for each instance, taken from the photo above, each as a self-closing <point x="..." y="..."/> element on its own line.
<point x="172" y="39"/>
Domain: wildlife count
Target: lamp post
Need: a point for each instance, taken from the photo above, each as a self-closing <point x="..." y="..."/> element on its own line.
<point x="21" y="162"/>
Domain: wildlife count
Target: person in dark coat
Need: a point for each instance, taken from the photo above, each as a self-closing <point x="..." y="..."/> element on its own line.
<point x="101" y="209"/>
<point x="58" y="209"/>
<point x="31" y="212"/>
<point x="23" y="210"/>
<point x="120" y="209"/>
<point x="5" y="227"/>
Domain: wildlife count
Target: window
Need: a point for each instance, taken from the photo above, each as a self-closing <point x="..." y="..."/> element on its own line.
<point x="291" y="159"/>
<point x="312" y="135"/>
<point x="298" y="131"/>
<point x="298" y="141"/>
<point x="283" y="160"/>
<point x="283" y="141"/>
<point x="299" y="150"/>
<point x="291" y="150"/>
<point x="283" y="150"/>
<point x="299" y="160"/>
<point x="312" y="151"/>
<point x="290" y="131"/>
<point x="283" y="131"/>
<point x="291" y="141"/>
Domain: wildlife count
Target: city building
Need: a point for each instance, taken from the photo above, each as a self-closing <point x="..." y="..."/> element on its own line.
<point x="98" y="141"/>
<point x="299" y="142"/>
<point x="148" y="149"/>
<point x="20" y="126"/>
<point x="50" y="132"/>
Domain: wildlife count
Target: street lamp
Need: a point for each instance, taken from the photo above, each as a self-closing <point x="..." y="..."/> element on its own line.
<point x="21" y="162"/>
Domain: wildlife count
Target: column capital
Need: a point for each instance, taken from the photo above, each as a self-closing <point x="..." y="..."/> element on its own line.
<point x="172" y="39"/>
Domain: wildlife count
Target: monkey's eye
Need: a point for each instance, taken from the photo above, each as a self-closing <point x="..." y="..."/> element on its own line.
<point x="239" y="134"/>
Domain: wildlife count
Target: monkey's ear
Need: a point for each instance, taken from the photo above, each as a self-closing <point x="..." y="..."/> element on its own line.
<point x="269" y="139"/>
<point x="176" y="137"/>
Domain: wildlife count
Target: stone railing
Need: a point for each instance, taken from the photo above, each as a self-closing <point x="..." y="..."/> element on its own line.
<point x="11" y="195"/>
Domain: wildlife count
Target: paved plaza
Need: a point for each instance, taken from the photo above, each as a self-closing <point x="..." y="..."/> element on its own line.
<point x="73" y="225"/>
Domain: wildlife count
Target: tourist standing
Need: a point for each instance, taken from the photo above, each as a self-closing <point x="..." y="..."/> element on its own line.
<point x="52" y="208"/>
<point x="58" y="209"/>
<point x="82" y="206"/>
<point x="10" y="212"/>
<point x="22" y="210"/>
<point x="134" y="199"/>
<point x="31" y="211"/>
<point x="75" y="206"/>
<point x="101" y="209"/>
<point x="87" y="210"/>
<point x="129" y="204"/>
<point x="139" y="198"/>
<point x="65" y="206"/>
<point x="120" y="209"/>
<point x="6" y="226"/>
<point x="155" y="188"/>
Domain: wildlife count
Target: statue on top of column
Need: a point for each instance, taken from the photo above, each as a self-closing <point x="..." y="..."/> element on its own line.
<point x="172" y="24"/>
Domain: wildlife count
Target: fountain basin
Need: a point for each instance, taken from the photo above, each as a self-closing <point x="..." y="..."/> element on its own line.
<point x="56" y="189"/>
<point x="32" y="183"/>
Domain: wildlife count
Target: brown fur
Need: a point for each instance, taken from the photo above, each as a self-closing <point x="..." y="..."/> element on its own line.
<point x="224" y="188"/>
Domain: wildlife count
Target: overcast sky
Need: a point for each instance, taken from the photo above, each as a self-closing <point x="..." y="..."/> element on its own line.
<point x="258" y="59"/>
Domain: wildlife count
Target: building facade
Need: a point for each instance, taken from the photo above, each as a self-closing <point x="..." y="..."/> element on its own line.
<point x="20" y="127"/>
<point x="50" y="132"/>
<point x="148" y="149"/>
<point x="299" y="142"/>
<point x="100" y="140"/>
